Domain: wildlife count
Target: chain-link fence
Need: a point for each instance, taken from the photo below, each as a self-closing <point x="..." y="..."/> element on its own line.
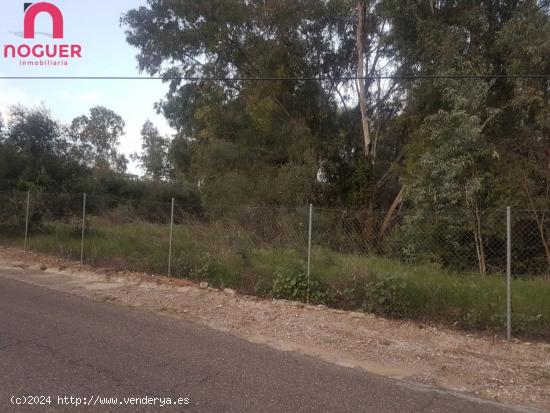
<point x="445" y="266"/>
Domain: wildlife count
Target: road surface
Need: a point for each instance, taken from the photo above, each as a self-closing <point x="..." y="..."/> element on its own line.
<point x="58" y="345"/>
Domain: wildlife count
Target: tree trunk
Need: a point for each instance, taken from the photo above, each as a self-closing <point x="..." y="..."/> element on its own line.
<point x="479" y="242"/>
<point x="361" y="82"/>
<point x="432" y="6"/>
<point x="389" y="216"/>
<point x="540" y="219"/>
<point x="471" y="203"/>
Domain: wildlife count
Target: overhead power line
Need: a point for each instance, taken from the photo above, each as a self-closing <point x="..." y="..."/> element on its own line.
<point x="270" y="79"/>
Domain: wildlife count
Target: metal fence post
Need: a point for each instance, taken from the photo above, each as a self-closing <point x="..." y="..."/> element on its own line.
<point x="27" y="219"/>
<point x="83" y="229"/>
<point x="309" y="250"/>
<point x="509" y="273"/>
<point x="171" y="238"/>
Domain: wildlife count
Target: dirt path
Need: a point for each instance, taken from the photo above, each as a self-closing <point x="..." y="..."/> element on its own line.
<point x="489" y="367"/>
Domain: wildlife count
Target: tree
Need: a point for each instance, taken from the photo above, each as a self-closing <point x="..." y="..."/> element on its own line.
<point x="524" y="121"/>
<point x="446" y="176"/>
<point x="282" y="134"/>
<point x="97" y="137"/>
<point x="361" y="84"/>
<point x="409" y="147"/>
<point x="36" y="152"/>
<point x="374" y="59"/>
<point x="180" y="156"/>
<point x="154" y="154"/>
<point x="1" y="128"/>
<point x="500" y="116"/>
<point x="378" y="100"/>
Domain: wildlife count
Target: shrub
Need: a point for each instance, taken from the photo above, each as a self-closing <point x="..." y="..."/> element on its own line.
<point x="291" y="283"/>
<point x="387" y="296"/>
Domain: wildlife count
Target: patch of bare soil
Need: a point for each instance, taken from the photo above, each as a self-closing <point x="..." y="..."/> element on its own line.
<point x="485" y="366"/>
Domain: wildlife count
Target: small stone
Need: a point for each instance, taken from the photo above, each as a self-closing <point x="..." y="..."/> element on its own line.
<point x="203" y="285"/>
<point x="229" y="291"/>
<point x="43" y="268"/>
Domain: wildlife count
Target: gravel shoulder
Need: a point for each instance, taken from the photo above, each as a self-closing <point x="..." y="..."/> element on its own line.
<point x="476" y="364"/>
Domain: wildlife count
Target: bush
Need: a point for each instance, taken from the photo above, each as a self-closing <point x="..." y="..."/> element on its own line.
<point x="350" y="297"/>
<point x="387" y="296"/>
<point x="12" y="213"/>
<point x="291" y="283"/>
<point x="233" y="259"/>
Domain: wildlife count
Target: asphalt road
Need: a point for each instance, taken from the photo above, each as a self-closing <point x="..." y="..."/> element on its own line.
<point x="61" y="345"/>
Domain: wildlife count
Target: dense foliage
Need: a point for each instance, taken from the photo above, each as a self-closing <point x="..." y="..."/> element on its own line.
<point x="422" y="148"/>
<point x="40" y="154"/>
<point x="442" y="157"/>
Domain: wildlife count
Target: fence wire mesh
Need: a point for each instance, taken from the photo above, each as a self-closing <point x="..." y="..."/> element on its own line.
<point x="53" y="224"/>
<point x="531" y="243"/>
<point x="444" y="266"/>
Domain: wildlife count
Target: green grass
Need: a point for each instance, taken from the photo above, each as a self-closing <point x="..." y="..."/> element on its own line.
<point x="228" y="258"/>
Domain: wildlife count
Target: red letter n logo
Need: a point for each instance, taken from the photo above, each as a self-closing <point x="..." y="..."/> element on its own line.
<point x="33" y="10"/>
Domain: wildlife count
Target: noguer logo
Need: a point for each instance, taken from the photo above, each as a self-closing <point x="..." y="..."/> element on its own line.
<point x="33" y="10"/>
<point x="42" y="54"/>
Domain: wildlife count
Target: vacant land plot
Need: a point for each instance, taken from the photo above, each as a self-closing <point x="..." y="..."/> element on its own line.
<point x="419" y="353"/>
<point x="229" y="258"/>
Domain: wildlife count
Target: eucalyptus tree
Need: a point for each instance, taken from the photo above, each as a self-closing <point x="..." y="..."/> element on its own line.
<point x="97" y="136"/>
<point x="472" y="140"/>
<point x="301" y="136"/>
<point x="154" y="156"/>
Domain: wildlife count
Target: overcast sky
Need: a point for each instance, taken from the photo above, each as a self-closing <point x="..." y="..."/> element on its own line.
<point x="96" y="26"/>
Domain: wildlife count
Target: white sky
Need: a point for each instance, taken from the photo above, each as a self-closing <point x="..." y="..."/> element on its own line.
<point x="96" y="26"/>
